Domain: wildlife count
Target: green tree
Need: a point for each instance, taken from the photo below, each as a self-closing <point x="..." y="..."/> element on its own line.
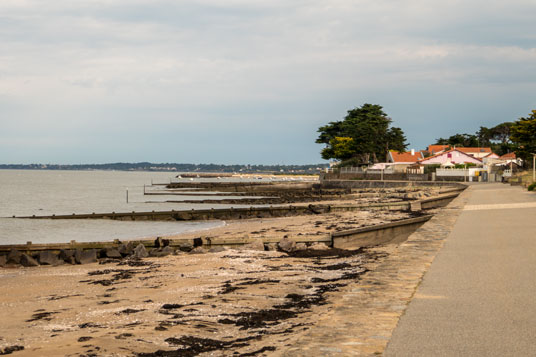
<point x="368" y="127"/>
<point x="523" y="136"/>
<point x="463" y="140"/>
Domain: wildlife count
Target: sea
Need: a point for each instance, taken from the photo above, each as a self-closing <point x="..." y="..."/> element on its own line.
<point x="42" y="192"/>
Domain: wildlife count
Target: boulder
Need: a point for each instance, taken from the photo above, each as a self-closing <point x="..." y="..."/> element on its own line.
<point x="287" y="245"/>
<point x="186" y="246"/>
<point x="217" y="249"/>
<point x="161" y="252"/>
<point x="318" y="246"/>
<point x="140" y="251"/>
<point x="301" y="246"/>
<point x="271" y="246"/>
<point x="85" y="256"/>
<point x="126" y="249"/>
<point x="67" y="255"/>
<point x="257" y="244"/>
<point x="198" y="250"/>
<point x="111" y="253"/>
<point x="13" y="257"/>
<point x="48" y="258"/>
<point x="27" y="261"/>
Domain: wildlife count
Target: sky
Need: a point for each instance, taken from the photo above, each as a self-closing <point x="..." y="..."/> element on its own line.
<point x="250" y="82"/>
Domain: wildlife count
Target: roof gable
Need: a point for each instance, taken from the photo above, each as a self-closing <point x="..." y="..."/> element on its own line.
<point x="434" y="149"/>
<point x="510" y="155"/>
<point x="448" y="156"/>
<point x="405" y="157"/>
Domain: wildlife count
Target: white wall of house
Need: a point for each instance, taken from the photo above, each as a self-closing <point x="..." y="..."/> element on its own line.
<point x="456" y="157"/>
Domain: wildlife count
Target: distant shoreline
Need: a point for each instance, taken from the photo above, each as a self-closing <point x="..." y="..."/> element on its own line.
<point x="176" y="168"/>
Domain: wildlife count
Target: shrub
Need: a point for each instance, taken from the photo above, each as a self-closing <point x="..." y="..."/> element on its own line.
<point x="532" y="186"/>
<point x="431" y="168"/>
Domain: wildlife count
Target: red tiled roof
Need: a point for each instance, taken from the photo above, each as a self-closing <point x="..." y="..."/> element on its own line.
<point x="434" y="149"/>
<point x="473" y="150"/>
<point x="405" y="156"/>
<point x="510" y="155"/>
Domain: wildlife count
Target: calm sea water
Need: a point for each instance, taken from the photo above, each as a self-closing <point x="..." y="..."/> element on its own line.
<point x="27" y="192"/>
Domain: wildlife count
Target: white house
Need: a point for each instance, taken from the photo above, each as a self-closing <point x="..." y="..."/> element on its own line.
<point x="450" y="157"/>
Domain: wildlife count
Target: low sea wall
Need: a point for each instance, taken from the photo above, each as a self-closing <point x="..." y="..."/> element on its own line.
<point x="349" y="184"/>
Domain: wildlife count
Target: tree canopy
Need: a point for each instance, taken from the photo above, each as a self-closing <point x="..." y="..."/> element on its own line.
<point x="523" y="135"/>
<point x="497" y="137"/>
<point x="364" y="135"/>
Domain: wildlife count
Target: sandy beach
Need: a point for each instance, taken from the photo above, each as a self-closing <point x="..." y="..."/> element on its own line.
<point x="242" y="302"/>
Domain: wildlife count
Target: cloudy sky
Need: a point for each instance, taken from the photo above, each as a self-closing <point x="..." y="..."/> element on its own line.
<point x="246" y="81"/>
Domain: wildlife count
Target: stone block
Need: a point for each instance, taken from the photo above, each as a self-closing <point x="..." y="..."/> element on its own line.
<point x="86" y="256"/>
<point x="140" y="251"/>
<point x="48" y="258"/>
<point x="67" y="255"/>
<point x="27" y="261"/>
<point x="126" y="249"/>
<point x="198" y="250"/>
<point x="287" y="245"/>
<point x="161" y="252"/>
<point x="111" y="253"/>
<point x="13" y="257"/>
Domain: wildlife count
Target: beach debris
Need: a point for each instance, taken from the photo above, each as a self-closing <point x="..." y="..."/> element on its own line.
<point x="27" y="261"/>
<point x="41" y="315"/>
<point x="287" y="245"/>
<point x="140" y="251"/>
<point x="48" y="258"/>
<point x="10" y="349"/>
<point x="193" y="346"/>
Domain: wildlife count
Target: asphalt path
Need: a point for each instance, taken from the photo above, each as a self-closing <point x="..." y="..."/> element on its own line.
<point x="479" y="296"/>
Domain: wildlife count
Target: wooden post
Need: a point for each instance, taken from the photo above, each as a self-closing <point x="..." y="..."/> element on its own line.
<point x="127" y="194"/>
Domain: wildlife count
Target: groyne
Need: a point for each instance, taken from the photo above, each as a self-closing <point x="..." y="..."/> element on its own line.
<point x="256" y="212"/>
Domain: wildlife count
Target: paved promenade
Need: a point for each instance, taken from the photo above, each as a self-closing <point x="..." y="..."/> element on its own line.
<point x="479" y="296"/>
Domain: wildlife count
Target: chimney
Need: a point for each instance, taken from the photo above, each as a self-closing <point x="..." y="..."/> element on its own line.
<point x="412" y="152"/>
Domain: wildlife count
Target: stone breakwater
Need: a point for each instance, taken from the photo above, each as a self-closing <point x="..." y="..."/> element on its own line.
<point x="15" y="258"/>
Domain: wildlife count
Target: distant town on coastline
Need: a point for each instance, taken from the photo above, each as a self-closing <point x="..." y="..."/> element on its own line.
<point x="174" y="167"/>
